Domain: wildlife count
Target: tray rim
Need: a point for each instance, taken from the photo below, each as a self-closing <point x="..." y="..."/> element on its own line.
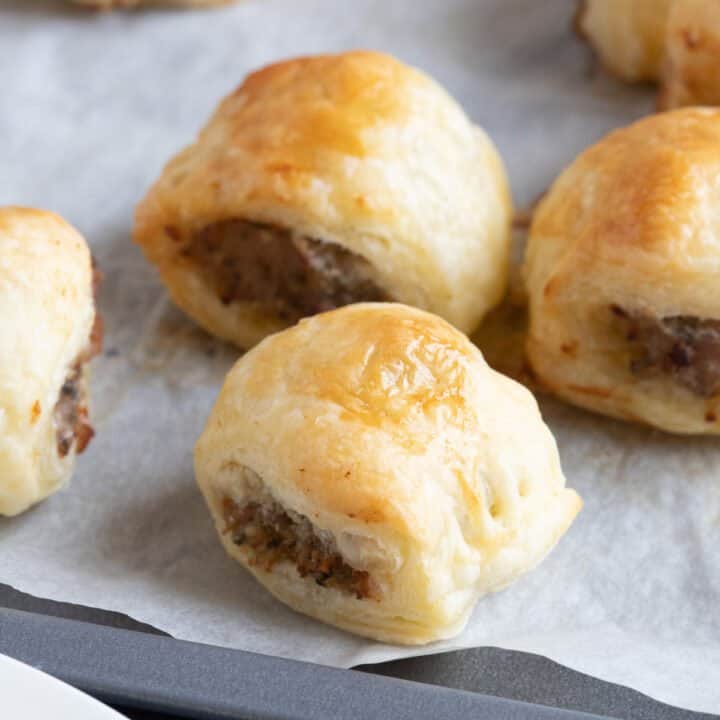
<point x="159" y="673"/>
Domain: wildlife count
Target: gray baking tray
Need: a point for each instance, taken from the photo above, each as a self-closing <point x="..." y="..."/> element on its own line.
<point x="135" y="666"/>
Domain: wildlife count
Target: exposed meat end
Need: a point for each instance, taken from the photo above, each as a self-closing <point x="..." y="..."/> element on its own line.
<point x="291" y="275"/>
<point x="272" y="534"/>
<point x="71" y="410"/>
<point x="683" y="347"/>
<point x="71" y="413"/>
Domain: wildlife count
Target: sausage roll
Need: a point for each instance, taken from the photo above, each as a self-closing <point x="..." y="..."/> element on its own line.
<point x="324" y="181"/>
<point x="691" y="74"/>
<point x="48" y="333"/>
<point x="371" y="471"/>
<point x="628" y="35"/>
<point x="623" y="271"/>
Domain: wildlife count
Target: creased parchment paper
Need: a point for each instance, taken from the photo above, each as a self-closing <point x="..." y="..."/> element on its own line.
<point x="92" y="105"/>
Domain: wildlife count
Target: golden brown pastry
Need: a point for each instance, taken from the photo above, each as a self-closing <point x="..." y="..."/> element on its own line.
<point x="691" y="73"/>
<point x="623" y="271"/>
<point x="48" y="333"/>
<point x="675" y="42"/>
<point x="112" y="4"/>
<point x="327" y="180"/>
<point x="371" y="470"/>
<point x="628" y="35"/>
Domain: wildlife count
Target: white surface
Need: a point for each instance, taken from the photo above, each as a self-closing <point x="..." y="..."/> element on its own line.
<point x="93" y="105"/>
<point x="28" y="693"/>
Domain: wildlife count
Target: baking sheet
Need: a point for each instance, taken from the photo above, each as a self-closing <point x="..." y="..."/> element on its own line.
<point x="92" y="107"/>
<point x="130" y="669"/>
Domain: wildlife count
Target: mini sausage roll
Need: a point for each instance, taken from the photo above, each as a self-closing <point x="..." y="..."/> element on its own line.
<point x="324" y="181"/>
<point x="49" y="332"/>
<point x="623" y="271"/>
<point x="628" y="35"/>
<point x="691" y="74"/>
<point x="371" y="471"/>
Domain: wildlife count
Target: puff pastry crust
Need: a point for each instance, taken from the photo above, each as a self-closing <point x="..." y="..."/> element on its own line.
<point x="674" y="42"/>
<point x="48" y="314"/>
<point x="628" y="35"/>
<point x="371" y="471"/>
<point x="623" y="270"/>
<point x="362" y="170"/>
<point x="691" y="73"/>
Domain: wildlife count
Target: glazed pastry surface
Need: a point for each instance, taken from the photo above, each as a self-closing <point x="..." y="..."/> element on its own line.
<point x="691" y="73"/>
<point x="628" y="35"/>
<point x="673" y="42"/>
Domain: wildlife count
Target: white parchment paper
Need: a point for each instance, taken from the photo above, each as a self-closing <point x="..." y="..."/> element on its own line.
<point x="91" y="106"/>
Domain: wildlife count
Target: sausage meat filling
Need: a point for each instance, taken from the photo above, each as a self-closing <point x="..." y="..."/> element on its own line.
<point x="290" y="274"/>
<point x="272" y="534"/>
<point x="684" y="347"/>
<point x="71" y="413"/>
<point x="71" y="410"/>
